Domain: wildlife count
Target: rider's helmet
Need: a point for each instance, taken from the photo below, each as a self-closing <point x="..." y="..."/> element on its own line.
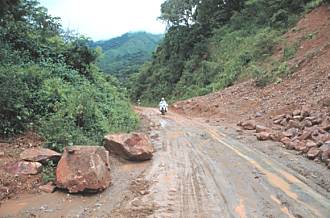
<point x="163" y="99"/>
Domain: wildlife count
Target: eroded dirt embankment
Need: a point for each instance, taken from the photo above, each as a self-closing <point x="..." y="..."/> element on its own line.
<point x="308" y="85"/>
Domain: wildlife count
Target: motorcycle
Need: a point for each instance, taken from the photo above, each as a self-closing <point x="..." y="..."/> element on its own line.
<point x="163" y="110"/>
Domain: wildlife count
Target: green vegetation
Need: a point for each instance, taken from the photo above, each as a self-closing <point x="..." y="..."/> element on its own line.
<point x="48" y="172"/>
<point x="48" y="81"/>
<point x="124" y="55"/>
<point x="211" y="44"/>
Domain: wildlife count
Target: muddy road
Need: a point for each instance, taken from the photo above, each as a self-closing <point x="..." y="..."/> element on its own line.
<point x="198" y="170"/>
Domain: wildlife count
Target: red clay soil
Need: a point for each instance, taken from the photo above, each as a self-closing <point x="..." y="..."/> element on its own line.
<point x="308" y="85"/>
<point x="11" y="185"/>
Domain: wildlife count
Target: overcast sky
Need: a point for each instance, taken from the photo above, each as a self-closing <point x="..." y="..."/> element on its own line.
<point x="105" y="19"/>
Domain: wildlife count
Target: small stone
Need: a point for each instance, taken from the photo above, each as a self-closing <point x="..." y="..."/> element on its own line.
<point x="296" y="112"/>
<point x="313" y="153"/>
<point x="249" y="125"/>
<point x="306" y="135"/>
<point x="144" y="192"/>
<point x="298" y="118"/>
<point x="260" y="128"/>
<point x="136" y="203"/>
<point x="305" y="111"/>
<point x="310" y="144"/>
<point x="292" y="132"/>
<point x="307" y="123"/>
<point x="279" y="117"/>
<point x="48" y="188"/>
<point x="173" y="190"/>
<point x="286" y="141"/>
<point x="262" y="136"/>
<point x="317" y="121"/>
<point x="294" y="124"/>
<point x="2" y="153"/>
<point x="277" y="121"/>
<point x="284" y="122"/>
<point x="98" y="205"/>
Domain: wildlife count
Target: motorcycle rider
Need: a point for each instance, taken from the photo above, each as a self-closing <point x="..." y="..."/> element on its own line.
<point x="163" y="103"/>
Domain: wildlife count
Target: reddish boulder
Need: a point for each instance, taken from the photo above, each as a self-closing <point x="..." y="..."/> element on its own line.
<point x="134" y="146"/>
<point x="83" y="168"/>
<point x="24" y="168"/>
<point x="313" y="153"/>
<point x="39" y="155"/>
<point x="262" y="136"/>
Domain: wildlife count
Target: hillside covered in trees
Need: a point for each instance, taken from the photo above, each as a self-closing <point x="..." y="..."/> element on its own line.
<point x="123" y="55"/>
<point x="212" y="44"/>
<point x="49" y="83"/>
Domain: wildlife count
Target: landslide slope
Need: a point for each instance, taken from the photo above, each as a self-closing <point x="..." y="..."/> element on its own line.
<point x="307" y="84"/>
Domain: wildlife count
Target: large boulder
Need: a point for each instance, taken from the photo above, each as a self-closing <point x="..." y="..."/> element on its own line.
<point x="133" y="146"/>
<point x="24" y="168"/>
<point x="39" y="155"/>
<point x="83" y="168"/>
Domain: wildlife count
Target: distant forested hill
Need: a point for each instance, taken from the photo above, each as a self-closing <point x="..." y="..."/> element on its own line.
<point x="123" y="55"/>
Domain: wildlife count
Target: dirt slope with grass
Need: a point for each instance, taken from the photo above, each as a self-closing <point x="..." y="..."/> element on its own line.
<point x="11" y="185"/>
<point x="309" y="84"/>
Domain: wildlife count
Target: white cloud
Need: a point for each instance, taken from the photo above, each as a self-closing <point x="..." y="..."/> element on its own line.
<point x="104" y="19"/>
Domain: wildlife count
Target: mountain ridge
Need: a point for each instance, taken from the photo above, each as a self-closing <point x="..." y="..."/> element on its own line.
<point x="123" y="55"/>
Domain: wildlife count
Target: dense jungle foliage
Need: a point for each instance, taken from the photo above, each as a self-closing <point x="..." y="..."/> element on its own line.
<point x="124" y="55"/>
<point x="48" y="82"/>
<point x="210" y="44"/>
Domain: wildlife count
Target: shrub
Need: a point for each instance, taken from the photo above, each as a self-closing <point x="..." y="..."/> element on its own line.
<point x="48" y="172"/>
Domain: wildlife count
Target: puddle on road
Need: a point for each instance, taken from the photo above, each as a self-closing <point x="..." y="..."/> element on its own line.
<point x="162" y="123"/>
<point x="166" y="122"/>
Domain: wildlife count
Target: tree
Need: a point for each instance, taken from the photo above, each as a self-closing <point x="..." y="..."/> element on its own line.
<point x="178" y="12"/>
